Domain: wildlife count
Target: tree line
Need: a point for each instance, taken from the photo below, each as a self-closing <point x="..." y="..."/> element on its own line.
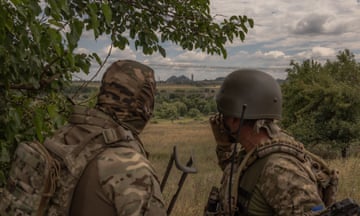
<point x="322" y="102"/>
<point x="179" y="105"/>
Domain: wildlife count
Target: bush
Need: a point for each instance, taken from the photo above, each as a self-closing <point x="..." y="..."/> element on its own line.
<point x="194" y="113"/>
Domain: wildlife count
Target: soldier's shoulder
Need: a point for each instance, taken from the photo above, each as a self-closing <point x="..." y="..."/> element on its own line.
<point x="282" y="165"/>
<point x="284" y="160"/>
<point x="121" y="160"/>
<point x="124" y="170"/>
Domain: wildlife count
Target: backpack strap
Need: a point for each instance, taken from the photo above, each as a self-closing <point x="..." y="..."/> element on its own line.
<point x="87" y="124"/>
<point x="112" y="135"/>
<point x="242" y="167"/>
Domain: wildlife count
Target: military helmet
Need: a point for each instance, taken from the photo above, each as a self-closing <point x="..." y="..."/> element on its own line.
<point x="127" y="93"/>
<point x="258" y="90"/>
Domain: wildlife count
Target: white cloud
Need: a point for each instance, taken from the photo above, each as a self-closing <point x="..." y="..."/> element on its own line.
<point x="303" y="55"/>
<point x="191" y="56"/>
<point x="157" y="59"/>
<point x="82" y="50"/>
<point x="116" y="53"/>
<point x="275" y="54"/>
<point x="323" y="51"/>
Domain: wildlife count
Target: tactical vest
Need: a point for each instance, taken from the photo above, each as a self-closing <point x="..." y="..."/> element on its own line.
<point x="241" y="191"/>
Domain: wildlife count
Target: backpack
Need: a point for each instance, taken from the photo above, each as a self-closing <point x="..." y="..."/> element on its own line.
<point x="326" y="177"/>
<point x="32" y="181"/>
<point x="43" y="177"/>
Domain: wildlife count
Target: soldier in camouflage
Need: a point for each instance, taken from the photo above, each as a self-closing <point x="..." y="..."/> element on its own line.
<point x="117" y="177"/>
<point x="271" y="173"/>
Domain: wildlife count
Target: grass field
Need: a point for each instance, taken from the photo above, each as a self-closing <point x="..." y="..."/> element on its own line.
<point x="194" y="137"/>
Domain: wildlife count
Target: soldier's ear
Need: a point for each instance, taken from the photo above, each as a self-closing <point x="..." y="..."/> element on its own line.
<point x="236" y="121"/>
<point x="231" y="123"/>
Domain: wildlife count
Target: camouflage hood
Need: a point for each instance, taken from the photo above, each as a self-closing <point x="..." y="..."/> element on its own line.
<point x="127" y="93"/>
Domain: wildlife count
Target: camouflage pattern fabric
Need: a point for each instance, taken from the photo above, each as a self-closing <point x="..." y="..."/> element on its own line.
<point x="130" y="182"/>
<point x="82" y="141"/>
<point x="285" y="187"/>
<point x="31" y="181"/>
<point x="284" y="184"/>
<point x="127" y="93"/>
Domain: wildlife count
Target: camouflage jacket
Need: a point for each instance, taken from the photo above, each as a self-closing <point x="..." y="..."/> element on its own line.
<point x="281" y="183"/>
<point x="94" y="148"/>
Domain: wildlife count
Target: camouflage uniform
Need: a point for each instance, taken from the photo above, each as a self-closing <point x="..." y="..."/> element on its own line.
<point x="285" y="185"/>
<point x="117" y="179"/>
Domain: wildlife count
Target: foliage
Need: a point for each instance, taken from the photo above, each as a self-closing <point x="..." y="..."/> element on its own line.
<point x="167" y="111"/>
<point x="321" y="101"/>
<point x="183" y="104"/>
<point x="193" y="113"/>
<point x="38" y="41"/>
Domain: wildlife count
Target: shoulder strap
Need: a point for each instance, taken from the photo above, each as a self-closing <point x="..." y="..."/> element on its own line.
<point x="246" y="187"/>
<point x="257" y="158"/>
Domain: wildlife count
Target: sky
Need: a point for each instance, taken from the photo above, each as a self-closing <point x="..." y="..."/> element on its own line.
<point x="284" y="30"/>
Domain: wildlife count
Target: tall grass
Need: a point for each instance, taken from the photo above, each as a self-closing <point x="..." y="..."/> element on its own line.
<point x="195" y="138"/>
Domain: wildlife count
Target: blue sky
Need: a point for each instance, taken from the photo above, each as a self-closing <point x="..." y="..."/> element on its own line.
<point x="284" y="30"/>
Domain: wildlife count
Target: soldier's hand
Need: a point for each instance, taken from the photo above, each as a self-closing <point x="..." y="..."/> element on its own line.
<point x="219" y="131"/>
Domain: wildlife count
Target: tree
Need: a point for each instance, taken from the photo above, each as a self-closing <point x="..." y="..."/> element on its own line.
<point x="166" y="110"/>
<point x="194" y="113"/>
<point x="181" y="107"/>
<point x="321" y="102"/>
<point x="38" y="40"/>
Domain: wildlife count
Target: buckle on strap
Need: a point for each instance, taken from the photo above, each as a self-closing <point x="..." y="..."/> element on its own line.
<point x="112" y="135"/>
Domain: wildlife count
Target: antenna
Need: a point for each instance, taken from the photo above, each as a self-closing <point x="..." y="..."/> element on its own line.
<point x="233" y="157"/>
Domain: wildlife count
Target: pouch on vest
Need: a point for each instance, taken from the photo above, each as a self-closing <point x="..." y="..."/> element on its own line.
<point x="31" y="181"/>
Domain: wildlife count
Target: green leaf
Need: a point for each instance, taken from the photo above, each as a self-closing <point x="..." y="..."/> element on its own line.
<point x="55" y="23"/>
<point x="39" y="123"/>
<point x="162" y="51"/>
<point x="223" y="51"/>
<point x="251" y="22"/>
<point x="64" y="6"/>
<point x="74" y="36"/>
<point x="52" y="110"/>
<point x="55" y="12"/>
<point x="94" y="24"/>
<point x="97" y="58"/>
<point x="107" y="13"/>
<point x="242" y="35"/>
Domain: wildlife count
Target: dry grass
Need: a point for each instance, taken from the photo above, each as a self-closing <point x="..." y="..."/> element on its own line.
<point x="349" y="179"/>
<point x="194" y="137"/>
